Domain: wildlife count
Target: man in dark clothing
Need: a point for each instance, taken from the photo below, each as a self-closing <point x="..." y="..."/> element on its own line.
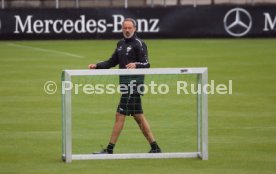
<point x="131" y="53"/>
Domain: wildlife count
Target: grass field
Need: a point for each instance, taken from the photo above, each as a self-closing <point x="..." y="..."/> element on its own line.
<point x="242" y="126"/>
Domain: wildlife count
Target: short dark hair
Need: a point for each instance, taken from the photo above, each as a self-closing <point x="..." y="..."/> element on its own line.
<point x="131" y="20"/>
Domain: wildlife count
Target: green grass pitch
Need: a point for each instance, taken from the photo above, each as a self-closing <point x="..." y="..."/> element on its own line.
<point x="242" y="126"/>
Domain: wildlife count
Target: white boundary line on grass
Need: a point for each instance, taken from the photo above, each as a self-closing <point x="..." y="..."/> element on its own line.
<point x="243" y="128"/>
<point x="45" y="50"/>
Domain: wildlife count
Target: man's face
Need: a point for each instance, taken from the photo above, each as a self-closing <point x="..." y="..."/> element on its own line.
<point x="128" y="29"/>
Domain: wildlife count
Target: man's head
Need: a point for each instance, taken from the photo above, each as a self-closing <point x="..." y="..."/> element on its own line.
<point x="129" y="27"/>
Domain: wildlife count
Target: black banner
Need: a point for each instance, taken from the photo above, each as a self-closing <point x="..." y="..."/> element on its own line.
<point x="170" y="22"/>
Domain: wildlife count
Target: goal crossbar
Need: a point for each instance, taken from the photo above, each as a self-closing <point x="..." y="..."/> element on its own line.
<point x="202" y="114"/>
<point x="136" y="71"/>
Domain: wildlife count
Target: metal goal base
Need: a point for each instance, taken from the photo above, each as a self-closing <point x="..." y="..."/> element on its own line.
<point x="134" y="156"/>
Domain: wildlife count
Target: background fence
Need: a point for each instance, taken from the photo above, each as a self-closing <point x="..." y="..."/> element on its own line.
<point x="6" y="4"/>
<point x="170" y="22"/>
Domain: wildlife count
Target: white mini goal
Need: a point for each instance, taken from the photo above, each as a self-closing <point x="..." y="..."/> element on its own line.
<point x="202" y="113"/>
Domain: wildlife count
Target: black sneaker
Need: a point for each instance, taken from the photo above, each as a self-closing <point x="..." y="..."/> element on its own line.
<point x="104" y="151"/>
<point x="155" y="151"/>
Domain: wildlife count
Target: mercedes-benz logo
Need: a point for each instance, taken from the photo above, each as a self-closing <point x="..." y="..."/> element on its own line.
<point x="237" y="22"/>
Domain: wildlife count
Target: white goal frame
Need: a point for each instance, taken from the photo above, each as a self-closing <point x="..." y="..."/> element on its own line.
<point x="202" y="114"/>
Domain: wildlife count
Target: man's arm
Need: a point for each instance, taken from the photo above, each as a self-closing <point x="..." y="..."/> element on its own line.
<point x="92" y="66"/>
<point x="105" y="64"/>
<point x="142" y="53"/>
<point x="111" y="62"/>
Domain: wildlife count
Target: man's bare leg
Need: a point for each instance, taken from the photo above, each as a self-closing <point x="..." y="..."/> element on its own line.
<point x="145" y="128"/>
<point x="117" y="128"/>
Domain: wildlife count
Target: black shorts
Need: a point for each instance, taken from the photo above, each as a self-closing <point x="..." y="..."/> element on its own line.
<point x="130" y="104"/>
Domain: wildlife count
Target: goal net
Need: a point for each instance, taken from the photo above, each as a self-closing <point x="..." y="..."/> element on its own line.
<point x="174" y="102"/>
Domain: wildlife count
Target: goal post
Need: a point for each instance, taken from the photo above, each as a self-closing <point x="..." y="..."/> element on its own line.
<point x="202" y="113"/>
